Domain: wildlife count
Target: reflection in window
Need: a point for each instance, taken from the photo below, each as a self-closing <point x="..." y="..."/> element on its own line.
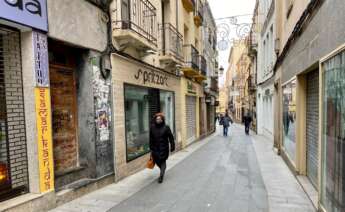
<point x="137" y="121"/>
<point x="289" y="119"/>
<point x="333" y="135"/>
<point x="140" y="105"/>
<point x="167" y="107"/>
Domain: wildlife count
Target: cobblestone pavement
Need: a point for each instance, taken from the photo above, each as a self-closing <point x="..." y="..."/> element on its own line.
<point x="218" y="174"/>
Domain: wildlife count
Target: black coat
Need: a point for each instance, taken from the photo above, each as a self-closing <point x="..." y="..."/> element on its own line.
<point x="160" y="137"/>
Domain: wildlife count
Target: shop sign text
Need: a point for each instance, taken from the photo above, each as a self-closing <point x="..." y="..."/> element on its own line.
<point x="151" y="77"/>
<point x="32" y="13"/>
<point x="41" y="59"/>
<point x="44" y="138"/>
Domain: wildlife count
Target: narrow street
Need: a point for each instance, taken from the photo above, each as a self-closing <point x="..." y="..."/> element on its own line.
<point x="217" y="174"/>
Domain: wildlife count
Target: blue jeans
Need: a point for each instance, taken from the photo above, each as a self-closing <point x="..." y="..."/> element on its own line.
<point x="225" y="130"/>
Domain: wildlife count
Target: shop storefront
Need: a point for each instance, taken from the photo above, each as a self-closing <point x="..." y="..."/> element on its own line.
<point x="141" y="92"/>
<point x="141" y="104"/>
<point x="333" y="132"/>
<point x="289" y="120"/>
<point x="192" y="106"/>
<point x="15" y="146"/>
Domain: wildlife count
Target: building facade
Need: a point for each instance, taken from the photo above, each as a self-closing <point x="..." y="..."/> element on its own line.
<point x="161" y="66"/>
<point x="209" y="31"/>
<point x="266" y="60"/>
<point x="306" y="85"/>
<point x="236" y="80"/>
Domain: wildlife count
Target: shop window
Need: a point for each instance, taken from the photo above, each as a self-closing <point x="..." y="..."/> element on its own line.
<point x="139" y="105"/>
<point x="289" y="119"/>
<point x="333" y="134"/>
<point x="137" y="121"/>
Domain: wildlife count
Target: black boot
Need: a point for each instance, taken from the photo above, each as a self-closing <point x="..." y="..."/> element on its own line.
<point x="160" y="179"/>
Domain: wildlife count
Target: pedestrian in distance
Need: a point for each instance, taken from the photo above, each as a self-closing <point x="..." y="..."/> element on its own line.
<point x="247" y="121"/>
<point x="160" y="138"/>
<point x="221" y="117"/>
<point x="226" y="124"/>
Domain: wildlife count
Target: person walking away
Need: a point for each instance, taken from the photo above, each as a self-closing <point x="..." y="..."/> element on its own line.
<point x="247" y="121"/>
<point x="160" y="138"/>
<point x="226" y="124"/>
<point x="221" y="117"/>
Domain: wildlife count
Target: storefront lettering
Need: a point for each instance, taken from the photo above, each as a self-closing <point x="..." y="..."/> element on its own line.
<point x="44" y="139"/>
<point x="151" y="77"/>
<point x="41" y="59"/>
<point x="31" y="13"/>
<point x="33" y="6"/>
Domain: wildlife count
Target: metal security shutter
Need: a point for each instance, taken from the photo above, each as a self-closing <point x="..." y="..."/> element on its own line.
<point x="154" y="102"/>
<point x="312" y="126"/>
<point x="191" y="118"/>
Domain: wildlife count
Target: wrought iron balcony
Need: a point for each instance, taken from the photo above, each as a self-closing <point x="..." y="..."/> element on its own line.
<point x="135" y="19"/>
<point x="203" y="65"/>
<point x="172" y="41"/>
<point x="214" y="84"/>
<point x="191" y="57"/>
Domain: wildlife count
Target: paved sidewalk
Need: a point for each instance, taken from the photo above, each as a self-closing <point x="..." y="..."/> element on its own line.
<point x="236" y="174"/>
<point x="285" y="194"/>
<point x="104" y="199"/>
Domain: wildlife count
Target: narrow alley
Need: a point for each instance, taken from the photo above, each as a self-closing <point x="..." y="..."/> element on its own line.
<point x="215" y="174"/>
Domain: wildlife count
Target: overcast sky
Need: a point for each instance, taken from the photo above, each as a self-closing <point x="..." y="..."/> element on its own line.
<point x="226" y="30"/>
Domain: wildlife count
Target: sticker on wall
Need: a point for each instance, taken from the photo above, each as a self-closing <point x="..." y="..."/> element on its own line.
<point x="44" y="136"/>
<point x="101" y="90"/>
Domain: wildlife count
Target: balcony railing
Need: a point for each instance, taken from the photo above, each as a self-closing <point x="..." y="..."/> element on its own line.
<point x="191" y="56"/>
<point x="172" y="41"/>
<point x="139" y="16"/>
<point x="214" y="84"/>
<point x="203" y="65"/>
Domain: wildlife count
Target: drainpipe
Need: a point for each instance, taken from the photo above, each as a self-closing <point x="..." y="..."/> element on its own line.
<point x="163" y="29"/>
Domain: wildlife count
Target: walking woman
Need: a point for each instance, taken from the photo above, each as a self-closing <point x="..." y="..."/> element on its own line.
<point x="160" y="137"/>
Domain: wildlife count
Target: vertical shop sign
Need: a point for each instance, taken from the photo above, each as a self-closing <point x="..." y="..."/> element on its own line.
<point x="41" y="59"/>
<point x="44" y="134"/>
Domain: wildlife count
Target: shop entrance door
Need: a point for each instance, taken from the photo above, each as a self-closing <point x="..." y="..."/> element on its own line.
<point x="312" y="126"/>
<point x="191" y="118"/>
<point x="64" y="112"/>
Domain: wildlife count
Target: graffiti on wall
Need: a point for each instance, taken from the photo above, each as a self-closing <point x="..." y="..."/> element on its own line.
<point x="101" y="89"/>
